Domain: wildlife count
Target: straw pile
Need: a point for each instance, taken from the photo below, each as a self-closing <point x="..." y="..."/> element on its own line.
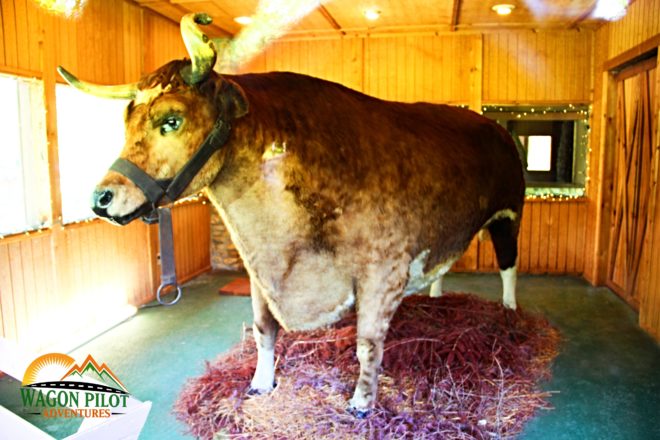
<point x="455" y="367"/>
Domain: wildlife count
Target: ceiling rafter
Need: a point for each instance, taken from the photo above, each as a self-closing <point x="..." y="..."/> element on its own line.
<point x="219" y="32"/>
<point x="326" y="14"/>
<point x="152" y="5"/>
<point x="455" y="15"/>
<point x="586" y="14"/>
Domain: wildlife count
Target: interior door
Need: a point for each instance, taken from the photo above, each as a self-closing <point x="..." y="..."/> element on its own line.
<point x="631" y="214"/>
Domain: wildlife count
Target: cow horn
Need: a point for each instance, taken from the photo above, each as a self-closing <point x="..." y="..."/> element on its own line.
<point x="122" y="91"/>
<point x="200" y="48"/>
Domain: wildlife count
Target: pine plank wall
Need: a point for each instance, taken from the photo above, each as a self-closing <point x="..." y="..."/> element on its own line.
<point x="116" y="41"/>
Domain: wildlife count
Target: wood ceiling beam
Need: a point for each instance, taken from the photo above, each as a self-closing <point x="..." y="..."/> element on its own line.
<point x="217" y="30"/>
<point x="152" y="6"/>
<point x="324" y="12"/>
<point x="455" y="15"/>
<point x="586" y="14"/>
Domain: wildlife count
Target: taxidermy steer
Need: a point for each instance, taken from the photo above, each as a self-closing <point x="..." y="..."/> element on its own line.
<point x="334" y="199"/>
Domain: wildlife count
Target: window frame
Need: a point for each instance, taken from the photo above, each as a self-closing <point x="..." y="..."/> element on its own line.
<point x="544" y="183"/>
<point x="34" y="171"/>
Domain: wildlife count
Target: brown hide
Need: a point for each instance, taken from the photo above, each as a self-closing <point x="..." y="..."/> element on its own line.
<point x="430" y="175"/>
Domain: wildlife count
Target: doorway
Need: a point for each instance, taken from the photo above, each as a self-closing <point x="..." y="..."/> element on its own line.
<point x="633" y="198"/>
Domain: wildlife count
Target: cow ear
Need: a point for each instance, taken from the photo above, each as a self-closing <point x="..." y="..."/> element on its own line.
<point x="229" y="96"/>
<point x="234" y="95"/>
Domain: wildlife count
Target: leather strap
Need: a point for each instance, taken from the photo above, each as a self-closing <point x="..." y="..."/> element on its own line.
<point x="153" y="189"/>
<point x="214" y="140"/>
<point x="167" y="264"/>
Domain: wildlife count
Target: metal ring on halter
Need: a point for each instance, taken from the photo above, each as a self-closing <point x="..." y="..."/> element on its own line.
<point x="175" y="300"/>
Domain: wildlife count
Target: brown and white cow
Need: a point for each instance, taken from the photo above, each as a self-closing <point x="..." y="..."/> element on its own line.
<point x="334" y="199"/>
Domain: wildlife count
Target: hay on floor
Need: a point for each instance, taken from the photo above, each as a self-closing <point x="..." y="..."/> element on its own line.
<point x="455" y="367"/>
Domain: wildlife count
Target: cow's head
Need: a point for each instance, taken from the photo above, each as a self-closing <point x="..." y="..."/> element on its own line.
<point x="172" y="112"/>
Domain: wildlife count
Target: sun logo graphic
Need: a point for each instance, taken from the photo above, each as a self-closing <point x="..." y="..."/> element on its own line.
<point x="55" y="386"/>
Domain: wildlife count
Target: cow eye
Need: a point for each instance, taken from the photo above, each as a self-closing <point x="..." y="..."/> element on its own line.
<point x="171" y="123"/>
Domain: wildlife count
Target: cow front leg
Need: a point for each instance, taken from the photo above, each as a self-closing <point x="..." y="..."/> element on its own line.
<point x="370" y="356"/>
<point x="377" y="301"/>
<point x="265" y="329"/>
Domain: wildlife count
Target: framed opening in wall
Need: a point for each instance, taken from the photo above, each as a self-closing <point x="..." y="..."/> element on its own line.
<point x="553" y="143"/>
<point x="25" y="202"/>
<point x="90" y="134"/>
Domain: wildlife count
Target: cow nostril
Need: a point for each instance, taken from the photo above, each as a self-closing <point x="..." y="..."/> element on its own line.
<point x="103" y="198"/>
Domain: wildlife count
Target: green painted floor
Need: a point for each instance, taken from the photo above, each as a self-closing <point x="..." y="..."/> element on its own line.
<point x="607" y="377"/>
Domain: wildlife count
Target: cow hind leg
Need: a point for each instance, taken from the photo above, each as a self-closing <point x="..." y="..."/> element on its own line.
<point x="265" y="329"/>
<point x="504" y="234"/>
<point x="436" y="288"/>
<point x="445" y="266"/>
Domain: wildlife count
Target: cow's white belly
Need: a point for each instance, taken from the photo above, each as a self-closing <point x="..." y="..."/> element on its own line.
<point x="304" y="288"/>
<point x="418" y="279"/>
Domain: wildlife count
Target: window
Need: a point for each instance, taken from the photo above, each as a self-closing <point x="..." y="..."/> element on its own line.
<point x="90" y="134"/>
<point x="539" y="152"/>
<point x="552" y="143"/>
<point x="25" y="201"/>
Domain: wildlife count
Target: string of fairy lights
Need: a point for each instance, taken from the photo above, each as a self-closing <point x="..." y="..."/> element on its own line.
<point x="580" y="113"/>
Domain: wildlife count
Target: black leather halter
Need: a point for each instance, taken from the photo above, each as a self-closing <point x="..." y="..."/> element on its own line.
<point x="168" y="190"/>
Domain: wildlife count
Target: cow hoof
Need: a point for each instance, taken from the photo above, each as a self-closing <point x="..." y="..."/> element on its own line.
<point x="510" y="305"/>
<point x="359" y="413"/>
<point x="258" y="392"/>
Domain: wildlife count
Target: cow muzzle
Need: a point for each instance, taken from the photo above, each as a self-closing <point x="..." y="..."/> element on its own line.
<point x="115" y="205"/>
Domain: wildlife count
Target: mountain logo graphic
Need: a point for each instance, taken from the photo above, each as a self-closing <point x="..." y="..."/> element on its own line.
<point x="89" y="369"/>
<point x="54" y="385"/>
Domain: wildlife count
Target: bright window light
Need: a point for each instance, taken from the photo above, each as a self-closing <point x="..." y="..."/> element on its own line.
<point x="25" y="201"/>
<point x="539" y="153"/>
<point x="244" y="20"/>
<point x="611" y="10"/>
<point x="90" y="134"/>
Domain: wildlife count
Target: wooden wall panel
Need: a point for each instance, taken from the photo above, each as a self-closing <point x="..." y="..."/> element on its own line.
<point x="162" y="41"/>
<point x="20" y="37"/>
<point x="70" y="278"/>
<point x="640" y="23"/>
<point x="509" y="66"/>
<point x="102" y="45"/>
<point x="339" y="60"/>
<point x="28" y="294"/>
<point x="529" y="67"/>
<point x="3" y="42"/>
<point x="550" y="241"/>
<point x="595" y="191"/>
<point x="433" y="68"/>
<point x="133" y="44"/>
<point x="192" y="238"/>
